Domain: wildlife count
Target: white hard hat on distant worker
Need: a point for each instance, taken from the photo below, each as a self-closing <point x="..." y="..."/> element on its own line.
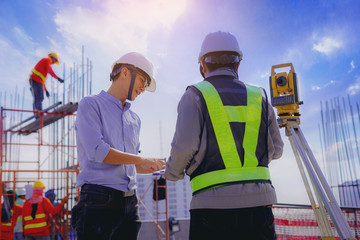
<point x="21" y="192"/>
<point x="54" y="56"/>
<point x="141" y="63"/>
<point x="218" y="42"/>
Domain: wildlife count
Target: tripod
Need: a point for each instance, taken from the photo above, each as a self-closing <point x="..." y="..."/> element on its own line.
<point x="320" y="196"/>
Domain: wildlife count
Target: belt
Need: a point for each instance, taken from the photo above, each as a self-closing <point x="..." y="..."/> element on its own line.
<point x="107" y="190"/>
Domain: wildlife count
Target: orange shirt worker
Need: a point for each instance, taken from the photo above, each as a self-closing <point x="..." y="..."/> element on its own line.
<point x="7" y="228"/>
<point x="38" y="79"/>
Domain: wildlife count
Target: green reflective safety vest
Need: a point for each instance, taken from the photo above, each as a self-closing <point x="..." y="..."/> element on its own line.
<point x="40" y="75"/>
<point x="221" y="116"/>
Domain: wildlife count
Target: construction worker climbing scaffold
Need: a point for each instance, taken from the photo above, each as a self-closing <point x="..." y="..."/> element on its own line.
<point x="37" y="80"/>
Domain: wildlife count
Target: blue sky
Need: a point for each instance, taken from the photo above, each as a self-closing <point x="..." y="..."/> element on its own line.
<point x="321" y="39"/>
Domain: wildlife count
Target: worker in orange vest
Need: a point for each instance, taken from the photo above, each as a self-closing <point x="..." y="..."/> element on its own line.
<point x="7" y="228"/>
<point x="36" y="214"/>
<point x="38" y="78"/>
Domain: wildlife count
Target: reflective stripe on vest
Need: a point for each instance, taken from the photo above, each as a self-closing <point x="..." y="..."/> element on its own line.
<point x="37" y="73"/>
<point x="8" y="224"/>
<point x="35" y="225"/>
<point x="41" y="215"/>
<point x="221" y="116"/>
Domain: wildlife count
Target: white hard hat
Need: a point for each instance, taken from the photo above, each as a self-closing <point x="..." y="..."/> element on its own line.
<point x="219" y="42"/>
<point x="21" y="192"/>
<point x="141" y="62"/>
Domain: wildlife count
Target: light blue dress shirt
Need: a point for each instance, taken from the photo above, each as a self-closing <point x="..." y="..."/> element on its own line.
<point x="101" y="123"/>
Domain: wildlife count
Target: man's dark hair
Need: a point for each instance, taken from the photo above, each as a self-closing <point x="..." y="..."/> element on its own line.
<point x="115" y="72"/>
<point x="217" y="60"/>
<point x="117" y="69"/>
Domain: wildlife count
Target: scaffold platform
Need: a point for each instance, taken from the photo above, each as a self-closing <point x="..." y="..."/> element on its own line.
<point x="47" y="118"/>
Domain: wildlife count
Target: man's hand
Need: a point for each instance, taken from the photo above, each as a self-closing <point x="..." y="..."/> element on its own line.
<point x="60" y="80"/>
<point x="47" y="94"/>
<point x="149" y="165"/>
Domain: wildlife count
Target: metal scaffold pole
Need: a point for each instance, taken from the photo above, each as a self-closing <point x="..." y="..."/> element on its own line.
<point x="44" y="148"/>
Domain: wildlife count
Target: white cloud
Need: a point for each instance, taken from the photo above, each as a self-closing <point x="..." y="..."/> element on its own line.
<point x="115" y="27"/>
<point x="16" y="67"/>
<point x="354" y="88"/>
<point x="352" y="66"/>
<point x="316" y="88"/>
<point x="295" y="52"/>
<point x="330" y="83"/>
<point x="118" y="25"/>
<point x="327" y="45"/>
<point x="172" y="89"/>
<point x="264" y="75"/>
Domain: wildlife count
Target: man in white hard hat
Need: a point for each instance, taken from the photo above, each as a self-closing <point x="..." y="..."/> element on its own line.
<point x="226" y="135"/>
<point x="107" y="134"/>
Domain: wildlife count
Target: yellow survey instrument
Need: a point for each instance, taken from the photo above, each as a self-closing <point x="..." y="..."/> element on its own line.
<point x="284" y="91"/>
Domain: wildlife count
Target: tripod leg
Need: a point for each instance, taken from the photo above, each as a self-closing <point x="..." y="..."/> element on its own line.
<point x="330" y="202"/>
<point x="324" y="225"/>
<point x="320" y="185"/>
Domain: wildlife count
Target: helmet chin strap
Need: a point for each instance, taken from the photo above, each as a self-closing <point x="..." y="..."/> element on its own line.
<point x="133" y="76"/>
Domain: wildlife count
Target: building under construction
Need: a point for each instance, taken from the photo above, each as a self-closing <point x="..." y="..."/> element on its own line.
<point x="45" y="149"/>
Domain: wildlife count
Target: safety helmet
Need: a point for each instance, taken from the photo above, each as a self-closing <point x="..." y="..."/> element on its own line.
<point x="220" y="42"/>
<point x="21" y="192"/>
<point x="55" y="56"/>
<point x="38" y="184"/>
<point x="50" y="192"/>
<point x="137" y="60"/>
<point x="12" y="192"/>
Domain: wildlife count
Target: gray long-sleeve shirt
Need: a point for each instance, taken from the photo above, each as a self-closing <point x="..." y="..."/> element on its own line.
<point x="188" y="150"/>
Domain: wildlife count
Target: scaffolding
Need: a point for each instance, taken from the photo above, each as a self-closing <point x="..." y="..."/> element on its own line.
<point x="44" y="149"/>
<point x="340" y="149"/>
<point x="159" y="193"/>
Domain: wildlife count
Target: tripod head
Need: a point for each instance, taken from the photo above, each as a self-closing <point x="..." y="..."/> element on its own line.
<point x="284" y="94"/>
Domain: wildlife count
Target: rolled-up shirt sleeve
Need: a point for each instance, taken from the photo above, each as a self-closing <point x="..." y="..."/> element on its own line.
<point x="89" y="131"/>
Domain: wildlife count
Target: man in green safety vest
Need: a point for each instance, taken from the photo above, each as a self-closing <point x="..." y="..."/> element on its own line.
<point x="226" y="135"/>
